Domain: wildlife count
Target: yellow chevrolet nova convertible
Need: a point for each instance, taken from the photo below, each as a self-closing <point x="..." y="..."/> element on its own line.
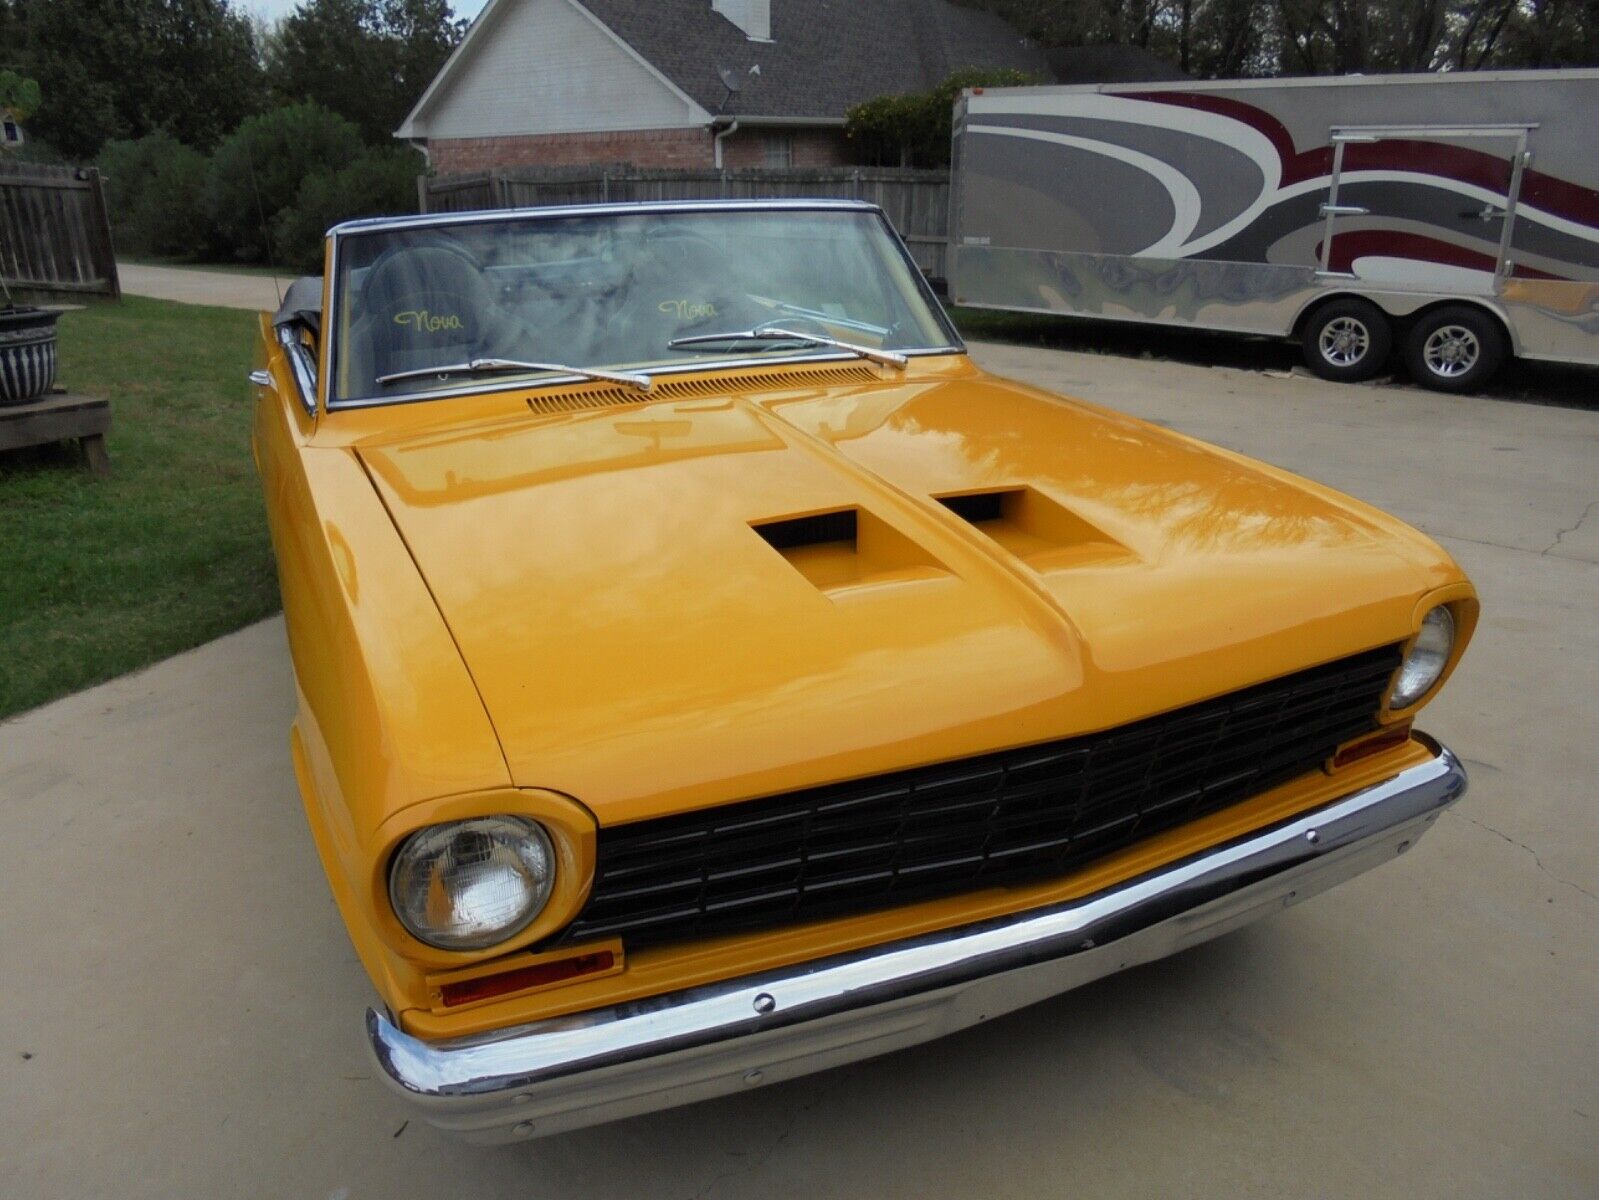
<point x="707" y="675"/>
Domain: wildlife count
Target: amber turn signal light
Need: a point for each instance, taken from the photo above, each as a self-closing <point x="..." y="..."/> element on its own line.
<point x="486" y="987"/>
<point x="1372" y="743"/>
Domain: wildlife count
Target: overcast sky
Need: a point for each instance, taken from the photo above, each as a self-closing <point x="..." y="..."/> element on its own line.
<point x="273" y="9"/>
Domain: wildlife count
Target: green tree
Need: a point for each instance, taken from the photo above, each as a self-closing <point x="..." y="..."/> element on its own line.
<point x="367" y="60"/>
<point x="155" y="191"/>
<point x="1531" y="33"/>
<point x="10" y="33"/>
<point x="1206" y="38"/>
<point x="380" y="183"/>
<point x="913" y="129"/>
<point x="19" y="95"/>
<point x="1341" y="36"/>
<point x="118" y="69"/>
<point x="1228" y="38"/>
<point x="257" y="172"/>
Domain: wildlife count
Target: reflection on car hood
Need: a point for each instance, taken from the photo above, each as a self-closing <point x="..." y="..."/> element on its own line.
<point x="641" y="646"/>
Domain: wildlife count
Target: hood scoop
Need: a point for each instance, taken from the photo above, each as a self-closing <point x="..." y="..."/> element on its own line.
<point x="1044" y="534"/>
<point x="698" y="387"/>
<point x="848" y="550"/>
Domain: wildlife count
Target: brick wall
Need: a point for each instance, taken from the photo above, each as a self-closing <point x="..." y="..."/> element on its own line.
<point x="641" y="147"/>
<point x="811" y="147"/>
<point x="692" y="147"/>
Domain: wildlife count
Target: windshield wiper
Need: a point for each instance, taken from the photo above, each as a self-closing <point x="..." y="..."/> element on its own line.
<point x="492" y="366"/>
<point x="771" y="333"/>
<point x="794" y="310"/>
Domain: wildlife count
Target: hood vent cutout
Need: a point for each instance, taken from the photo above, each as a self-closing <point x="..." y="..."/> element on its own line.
<point x="1043" y="533"/>
<point x="977" y="507"/>
<point x="699" y="387"/>
<point x="824" y="529"/>
<point x="848" y="550"/>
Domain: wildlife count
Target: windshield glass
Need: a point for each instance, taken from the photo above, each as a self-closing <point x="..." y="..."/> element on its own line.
<point x="613" y="291"/>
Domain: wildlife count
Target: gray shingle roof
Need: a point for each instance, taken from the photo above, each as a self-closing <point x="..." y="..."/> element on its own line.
<point x="825" y="55"/>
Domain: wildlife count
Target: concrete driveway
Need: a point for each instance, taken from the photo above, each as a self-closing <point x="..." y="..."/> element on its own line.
<point x="197" y="285"/>
<point x="180" y="1013"/>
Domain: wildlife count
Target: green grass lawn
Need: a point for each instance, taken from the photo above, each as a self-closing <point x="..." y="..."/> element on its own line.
<point x="101" y="576"/>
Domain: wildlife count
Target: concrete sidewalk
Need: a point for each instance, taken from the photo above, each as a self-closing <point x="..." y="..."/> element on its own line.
<point x="194" y="285"/>
<point x="181" y="1009"/>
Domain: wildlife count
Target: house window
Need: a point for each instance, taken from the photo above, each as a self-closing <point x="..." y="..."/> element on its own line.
<point x="777" y="150"/>
<point x="10" y="132"/>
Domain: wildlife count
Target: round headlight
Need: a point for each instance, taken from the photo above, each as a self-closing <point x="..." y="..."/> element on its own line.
<point x="1425" y="663"/>
<point x="471" y="884"/>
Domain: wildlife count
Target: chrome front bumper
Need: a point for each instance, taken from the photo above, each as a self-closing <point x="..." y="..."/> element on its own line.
<point x="568" y="1072"/>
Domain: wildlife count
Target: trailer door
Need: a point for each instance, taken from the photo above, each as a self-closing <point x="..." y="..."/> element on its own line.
<point x="1422" y="208"/>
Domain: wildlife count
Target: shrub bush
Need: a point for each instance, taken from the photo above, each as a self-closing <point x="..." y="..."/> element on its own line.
<point x="886" y="129"/>
<point x="380" y="183"/>
<point x="913" y="129"/>
<point x="155" y="189"/>
<point x="257" y="173"/>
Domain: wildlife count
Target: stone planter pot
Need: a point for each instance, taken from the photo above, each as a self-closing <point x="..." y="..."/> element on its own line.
<point x="27" y="354"/>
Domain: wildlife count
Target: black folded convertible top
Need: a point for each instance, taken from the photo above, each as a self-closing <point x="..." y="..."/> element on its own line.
<point x="302" y="303"/>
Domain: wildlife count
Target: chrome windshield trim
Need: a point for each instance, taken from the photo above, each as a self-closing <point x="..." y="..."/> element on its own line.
<point x="302" y="366"/>
<point x="484" y="387"/>
<point x="482" y="215"/>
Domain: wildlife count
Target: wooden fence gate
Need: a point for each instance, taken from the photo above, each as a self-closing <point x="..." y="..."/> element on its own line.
<point x="55" y="236"/>
<point x="916" y="202"/>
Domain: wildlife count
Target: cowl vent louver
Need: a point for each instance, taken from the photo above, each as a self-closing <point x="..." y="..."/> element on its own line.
<point x="697" y="387"/>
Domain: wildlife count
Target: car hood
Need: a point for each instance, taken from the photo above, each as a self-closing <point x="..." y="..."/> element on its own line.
<point x="653" y="624"/>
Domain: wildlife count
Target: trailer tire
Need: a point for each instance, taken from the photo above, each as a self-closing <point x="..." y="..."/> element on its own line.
<point x="1454" y="348"/>
<point x="1347" y="340"/>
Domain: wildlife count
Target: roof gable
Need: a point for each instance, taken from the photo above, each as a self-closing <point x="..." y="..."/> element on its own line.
<point x="824" y="56"/>
<point x="545" y="66"/>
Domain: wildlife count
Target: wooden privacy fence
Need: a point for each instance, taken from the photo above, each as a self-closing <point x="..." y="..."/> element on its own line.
<point x="917" y="202"/>
<point x="54" y="232"/>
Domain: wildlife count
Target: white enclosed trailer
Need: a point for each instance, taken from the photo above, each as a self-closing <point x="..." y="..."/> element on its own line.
<point x="1452" y="219"/>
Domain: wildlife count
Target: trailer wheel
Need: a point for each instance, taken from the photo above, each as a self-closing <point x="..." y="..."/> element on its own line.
<point x="1454" y="348"/>
<point x="1347" y="340"/>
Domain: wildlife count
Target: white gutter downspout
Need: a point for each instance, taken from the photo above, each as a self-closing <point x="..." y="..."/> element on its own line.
<point x="717" y="140"/>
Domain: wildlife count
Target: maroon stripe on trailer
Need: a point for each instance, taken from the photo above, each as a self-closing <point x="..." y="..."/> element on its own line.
<point x="1225" y="106"/>
<point x="1363" y="243"/>
<point x="1458" y="163"/>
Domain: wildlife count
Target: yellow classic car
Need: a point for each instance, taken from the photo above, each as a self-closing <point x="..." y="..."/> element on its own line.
<point x="707" y="675"/>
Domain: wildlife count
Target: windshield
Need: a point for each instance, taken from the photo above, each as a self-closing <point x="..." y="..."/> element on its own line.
<point x="615" y="290"/>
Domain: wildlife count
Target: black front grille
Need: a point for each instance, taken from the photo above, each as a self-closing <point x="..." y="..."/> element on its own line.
<point x="1015" y="816"/>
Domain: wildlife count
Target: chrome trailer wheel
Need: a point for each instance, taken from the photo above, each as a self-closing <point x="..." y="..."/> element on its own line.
<point x="1451" y="350"/>
<point x="1344" y="342"/>
<point x="1454" y="348"/>
<point x="1347" y="340"/>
